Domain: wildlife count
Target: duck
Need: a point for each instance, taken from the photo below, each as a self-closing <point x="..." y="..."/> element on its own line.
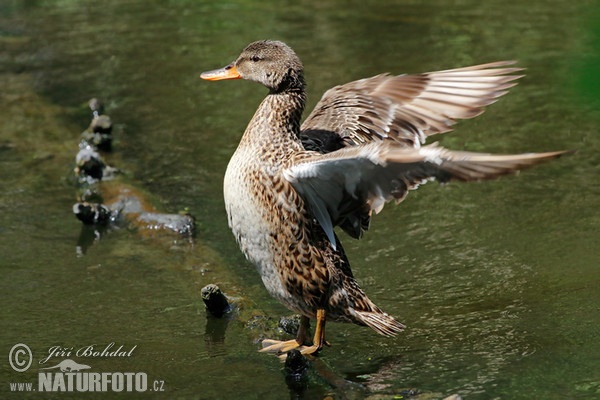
<point x="289" y="184"/>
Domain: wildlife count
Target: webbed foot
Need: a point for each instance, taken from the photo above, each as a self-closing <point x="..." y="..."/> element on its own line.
<point x="282" y="346"/>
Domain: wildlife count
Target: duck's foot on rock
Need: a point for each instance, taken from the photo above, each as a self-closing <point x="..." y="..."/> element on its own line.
<point x="281" y="347"/>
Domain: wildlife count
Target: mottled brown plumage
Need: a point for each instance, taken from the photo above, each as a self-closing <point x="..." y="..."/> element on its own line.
<point x="287" y="187"/>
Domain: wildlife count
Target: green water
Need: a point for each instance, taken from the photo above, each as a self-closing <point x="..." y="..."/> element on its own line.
<point x="497" y="282"/>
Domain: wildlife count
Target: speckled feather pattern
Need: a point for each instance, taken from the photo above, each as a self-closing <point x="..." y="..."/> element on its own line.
<point x="275" y="230"/>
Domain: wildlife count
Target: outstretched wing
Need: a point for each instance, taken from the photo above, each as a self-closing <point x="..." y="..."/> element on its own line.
<point x="344" y="187"/>
<point x="407" y="108"/>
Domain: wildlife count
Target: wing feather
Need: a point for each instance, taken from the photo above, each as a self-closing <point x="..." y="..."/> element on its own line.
<point x="344" y="187"/>
<point x="409" y="108"/>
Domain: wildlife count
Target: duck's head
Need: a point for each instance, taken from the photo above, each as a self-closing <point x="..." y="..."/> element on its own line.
<point x="271" y="63"/>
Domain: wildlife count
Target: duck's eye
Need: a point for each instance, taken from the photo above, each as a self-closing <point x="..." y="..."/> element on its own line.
<point x="255" y="58"/>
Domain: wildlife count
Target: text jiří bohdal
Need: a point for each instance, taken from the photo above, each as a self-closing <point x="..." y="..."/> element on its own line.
<point x="90" y="351"/>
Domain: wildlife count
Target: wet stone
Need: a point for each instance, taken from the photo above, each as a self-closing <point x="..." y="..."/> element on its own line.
<point x="90" y="167"/>
<point x="99" y="133"/>
<point x="290" y="324"/>
<point x="180" y="223"/>
<point x="215" y="301"/>
<point x="92" y="213"/>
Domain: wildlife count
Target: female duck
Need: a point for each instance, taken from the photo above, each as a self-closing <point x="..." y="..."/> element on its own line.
<point x="287" y="186"/>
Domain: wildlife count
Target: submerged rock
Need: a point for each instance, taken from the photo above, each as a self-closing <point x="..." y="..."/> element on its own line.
<point x="90" y="167"/>
<point x="290" y="324"/>
<point x="215" y="301"/>
<point x="109" y="205"/>
<point x="123" y="205"/>
<point x="179" y="223"/>
<point x="99" y="133"/>
<point x="92" y="214"/>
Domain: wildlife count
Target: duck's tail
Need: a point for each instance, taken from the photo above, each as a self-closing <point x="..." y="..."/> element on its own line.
<point x="362" y="311"/>
<point x="380" y="322"/>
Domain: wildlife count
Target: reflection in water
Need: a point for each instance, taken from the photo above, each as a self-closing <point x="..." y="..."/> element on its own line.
<point x="88" y="235"/>
<point x="296" y="374"/>
<point x="214" y="335"/>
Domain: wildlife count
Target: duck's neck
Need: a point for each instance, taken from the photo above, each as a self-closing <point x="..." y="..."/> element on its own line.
<point x="275" y="127"/>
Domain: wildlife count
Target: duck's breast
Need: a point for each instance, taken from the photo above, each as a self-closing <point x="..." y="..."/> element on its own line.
<point x="254" y="210"/>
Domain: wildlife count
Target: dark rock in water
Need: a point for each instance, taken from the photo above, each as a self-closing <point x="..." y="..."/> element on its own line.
<point x="296" y="373"/>
<point x="215" y="301"/>
<point x="128" y="207"/>
<point x="295" y="363"/>
<point x="101" y="124"/>
<point x="115" y="205"/>
<point x="92" y="214"/>
<point x="290" y="324"/>
<point x="90" y="166"/>
<point x="99" y="134"/>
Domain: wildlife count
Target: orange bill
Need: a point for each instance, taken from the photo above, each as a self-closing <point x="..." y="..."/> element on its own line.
<point x="227" y="72"/>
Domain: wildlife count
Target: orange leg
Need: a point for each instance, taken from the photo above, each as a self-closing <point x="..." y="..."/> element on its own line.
<point x="319" y="339"/>
<point x="278" y="346"/>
